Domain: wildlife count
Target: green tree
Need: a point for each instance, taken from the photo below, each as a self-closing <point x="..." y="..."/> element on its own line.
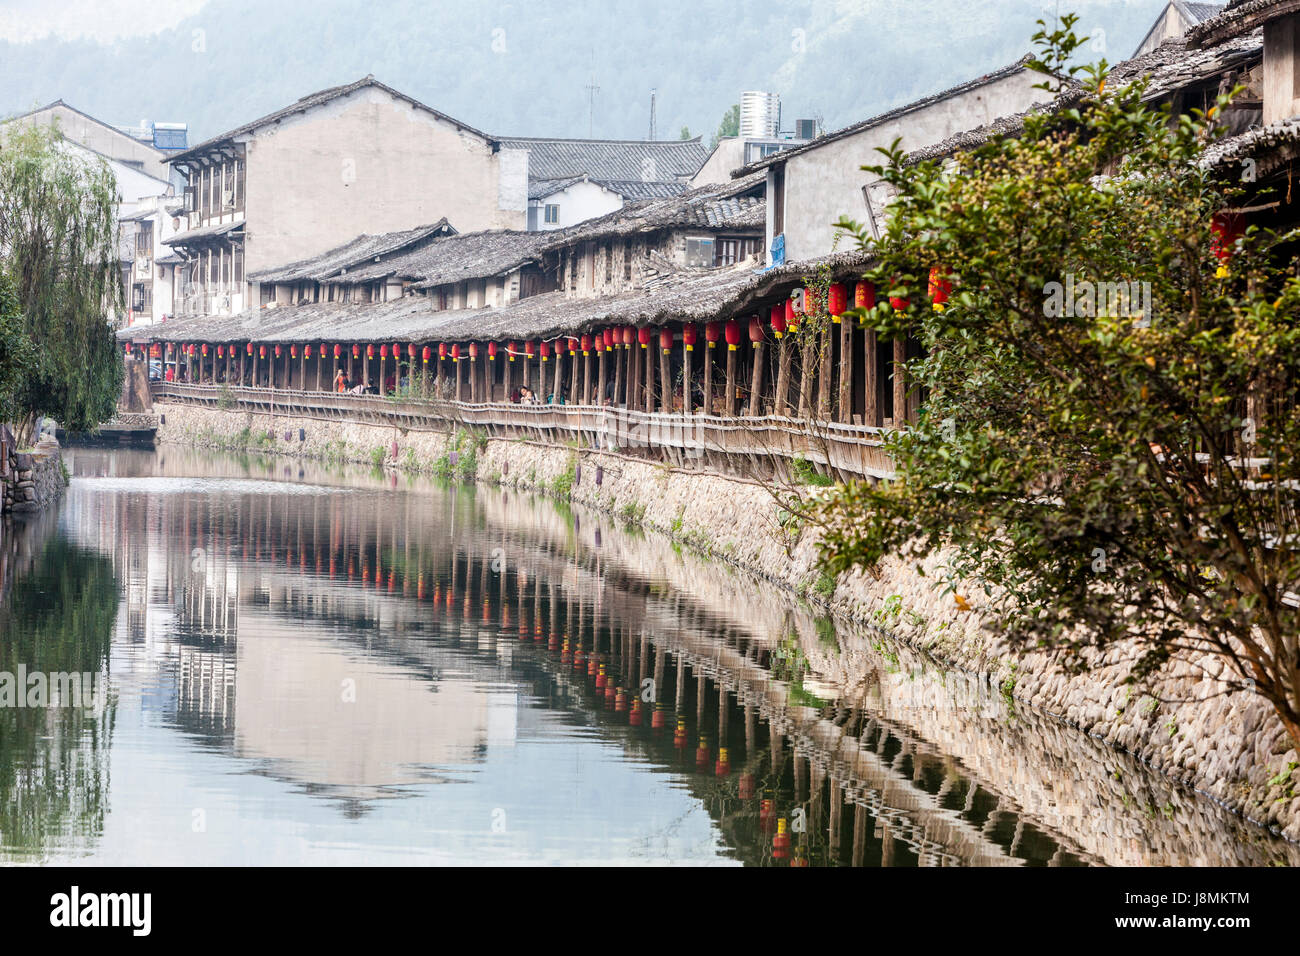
<point x="1102" y="471"/>
<point x="730" y="125"/>
<point x="58" y="245"/>
<point x="686" y="133"/>
<point x="17" y="357"/>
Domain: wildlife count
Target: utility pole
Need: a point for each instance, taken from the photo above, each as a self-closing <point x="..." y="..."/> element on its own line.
<point x="652" y="115"/>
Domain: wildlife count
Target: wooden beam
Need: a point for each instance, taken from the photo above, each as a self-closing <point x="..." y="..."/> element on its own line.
<point x="708" y="378"/>
<point x="688" y="399"/>
<point x="871" y="390"/>
<point x="665" y="380"/>
<point x="756" y="381"/>
<point x="781" y="405"/>
<point x="648" y="351"/>
<point x="900" y="383"/>
<point x="729" y="396"/>
<point x="826" y="347"/>
<point x="601" y="373"/>
<point x="846" y="371"/>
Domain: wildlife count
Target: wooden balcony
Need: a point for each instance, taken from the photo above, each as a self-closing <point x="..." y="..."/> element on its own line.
<point x="756" y="445"/>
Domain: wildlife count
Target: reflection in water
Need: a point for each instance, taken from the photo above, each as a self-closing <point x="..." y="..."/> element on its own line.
<point x="322" y="667"/>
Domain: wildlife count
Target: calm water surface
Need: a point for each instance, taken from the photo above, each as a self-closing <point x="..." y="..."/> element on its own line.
<point x="309" y="666"/>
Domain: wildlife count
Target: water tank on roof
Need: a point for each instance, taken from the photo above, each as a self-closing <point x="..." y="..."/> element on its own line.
<point x="760" y="114"/>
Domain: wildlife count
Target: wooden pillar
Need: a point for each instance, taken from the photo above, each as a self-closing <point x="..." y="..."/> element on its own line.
<point x="781" y="405"/>
<point x="618" y="374"/>
<point x="575" y="396"/>
<point x="708" y="378"/>
<point x="870" y="380"/>
<point x="242" y="353"/>
<point x="649" y="376"/>
<point x="302" y="370"/>
<point x="826" y="349"/>
<point x="320" y="361"/>
<point x="382" y="362"/>
<point x="756" y="382"/>
<point x="729" y="395"/>
<point x="846" y="371"/>
<point x="558" y="381"/>
<point x="506" y="376"/>
<point x="665" y="380"/>
<point x="687" y="398"/>
<point x="460" y="377"/>
<point x="900" y="383"/>
<point x="365" y="369"/>
<point x="807" y="372"/>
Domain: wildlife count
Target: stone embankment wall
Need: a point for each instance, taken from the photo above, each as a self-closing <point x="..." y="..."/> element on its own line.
<point x="1189" y="726"/>
<point x="32" y="479"/>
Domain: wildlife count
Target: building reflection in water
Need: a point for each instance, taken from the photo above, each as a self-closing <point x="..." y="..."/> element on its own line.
<point x="358" y="638"/>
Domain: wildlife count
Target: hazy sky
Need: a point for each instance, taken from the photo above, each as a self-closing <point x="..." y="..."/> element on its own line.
<point x="101" y="20"/>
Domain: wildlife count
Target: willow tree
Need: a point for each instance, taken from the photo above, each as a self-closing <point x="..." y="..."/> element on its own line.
<point x="1110" y="444"/>
<point x="59" y="249"/>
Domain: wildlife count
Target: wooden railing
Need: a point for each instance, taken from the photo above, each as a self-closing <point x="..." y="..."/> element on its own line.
<point x="763" y="441"/>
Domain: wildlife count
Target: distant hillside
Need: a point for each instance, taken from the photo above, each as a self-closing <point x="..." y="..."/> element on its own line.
<point x="523" y="68"/>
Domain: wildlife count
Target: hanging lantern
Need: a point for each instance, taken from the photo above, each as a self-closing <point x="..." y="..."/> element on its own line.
<point x="690" y="335"/>
<point x="607" y="337"/>
<point x="492" y="351"/>
<point x="397" y="352"/>
<point x="864" y="297"/>
<point x="546" y="351"/>
<point x="530" y="349"/>
<point x="837" y="300"/>
<point x="586" y="345"/>
<point x="293" y="351"/>
<point x="426" y="354"/>
<point x="712" y="330"/>
<point x="812" y="303"/>
<point x="338" y="351"/>
<point x="473" y="350"/>
<point x="261" y="349"/>
<point x="205" y="348"/>
<point x="154" y="351"/>
<point x="356" y="351"/>
<point x="511" y="349"/>
<point x="755" y="331"/>
<point x="792" y="315"/>
<point x="666" y="339"/>
<point x="940" y="288"/>
<point x="442" y="351"/>
<point x="643" y="335"/>
<point x="778" y="320"/>
<point x="370" y="351"/>
<point x="573" y="343"/>
<point x="1227" y="227"/>
<point x="455" y="352"/>
<point x="221" y="351"/>
<point x="629" y="336"/>
<point x="127" y="351"/>
<point x="383" y="351"/>
<point x="899" y="303"/>
<point x="306" y="351"/>
<point x="410" y="350"/>
<point x="733" y="335"/>
<point x="249" y="350"/>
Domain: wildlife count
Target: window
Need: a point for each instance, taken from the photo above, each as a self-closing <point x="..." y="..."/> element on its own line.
<point x="144" y="241"/>
<point x="699" y="253"/>
<point x="205" y="191"/>
<point x="267" y="293"/>
<point x="226" y="257"/>
<point x="731" y="251"/>
<point x="552" y="214"/>
<point x="239" y="183"/>
<point x="239" y="266"/>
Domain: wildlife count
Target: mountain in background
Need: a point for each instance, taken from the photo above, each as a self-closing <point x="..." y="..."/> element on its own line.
<point x="524" y="68"/>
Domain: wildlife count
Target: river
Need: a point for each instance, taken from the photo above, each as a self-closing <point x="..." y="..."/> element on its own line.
<point x="291" y="663"/>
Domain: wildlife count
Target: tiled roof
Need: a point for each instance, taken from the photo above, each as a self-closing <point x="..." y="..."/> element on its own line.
<point x="1270" y="146"/>
<point x="737" y="204"/>
<point x="1239" y="17"/>
<point x="1199" y="12"/>
<point x="541" y="188"/>
<point x="362" y="250"/>
<point x="311" y="101"/>
<point x="203" y="232"/>
<point x="626" y="161"/>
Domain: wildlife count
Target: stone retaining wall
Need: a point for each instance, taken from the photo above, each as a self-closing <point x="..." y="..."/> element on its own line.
<point x="32" y="479"/>
<point x="1228" y="745"/>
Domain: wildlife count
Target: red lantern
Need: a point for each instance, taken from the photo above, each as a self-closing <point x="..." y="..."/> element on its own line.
<point x="397" y="352"/>
<point x="940" y="288"/>
<point x="383" y="351"/>
<point x="1227" y="227"/>
<point x="690" y="335"/>
<point x="781" y="842"/>
<point x="643" y="335"/>
<point x="530" y="349"/>
<point x="492" y="351"/>
<point x="442" y="351"/>
<point x="837" y="300"/>
<point x="154" y="351"/>
<point x="221" y="351"/>
<point x="793" y="309"/>
<point x="261" y="349"/>
<point x="338" y="351"/>
<point x="755" y="331"/>
<point x="573" y="344"/>
<point x="455" y="352"/>
<point x="733" y="334"/>
<point x="812" y="303"/>
<point x="426" y="354"/>
<point x="205" y="348"/>
<point x="712" y="330"/>
<point x="277" y="351"/>
<point x="666" y="339"/>
<point x="864" y="296"/>
<point x="127" y="351"/>
<point x="511" y="349"/>
<point x="293" y="351"/>
<point x="629" y="336"/>
<point x="473" y="350"/>
<point x="410" y="350"/>
<point x="586" y="345"/>
<point x="250" y="348"/>
<point x="546" y="351"/>
<point x="306" y="351"/>
<point x="899" y="303"/>
<point x="356" y="351"/>
<point x="607" y="338"/>
<point x="370" y="351"/>
<point x="778" y="320"/>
